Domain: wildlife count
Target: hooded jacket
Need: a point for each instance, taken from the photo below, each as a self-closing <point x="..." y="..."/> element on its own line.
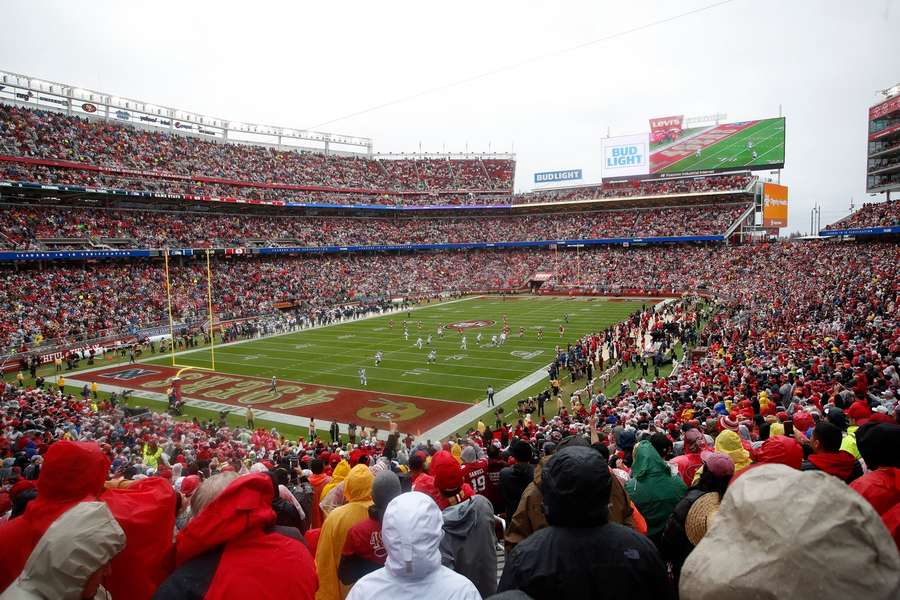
<point x="653" y="488"/>
<point x="318" y="483"/>
<point x="529" y="516"/>
<point x="75" y="472"/>
<point x="775" y="518"/>
<point x="358" y="493"/>
<point x="229" y="550"/>
<point x="881" y="488"/>
<point x="728" y="442"/>
<point x="411" y="531"/>
<point x="338" y="475"/>
<point x="469" y="546"/>
<point x="581" y="555"/>
<point x="841" y="464"/>
<point x="77" y="545"/>
<point x="513" y="481"/>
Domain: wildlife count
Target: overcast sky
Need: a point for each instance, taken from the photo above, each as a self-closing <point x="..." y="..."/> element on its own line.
<point x="303" y="63"/>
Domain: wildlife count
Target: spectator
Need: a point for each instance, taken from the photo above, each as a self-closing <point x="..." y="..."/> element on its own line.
<point x="364" y="550"/>
<point x="318" y="480"/>
<point x="827" y="455"/>
<point x="879" y="444"/>
<point x="412" y="530"/>
<point x="358" y="494"/>
<point x="848" y="540"/>
<point x="229" y="550"/>
<point x="530" y="517"/>
<point x="579" y="554"/>
<point x="687" y="525"/>
<point x="72" y="557"/>
<point x="653" y="488"/>
<point x="514" y="479"/>
<point x="469" y="545"/>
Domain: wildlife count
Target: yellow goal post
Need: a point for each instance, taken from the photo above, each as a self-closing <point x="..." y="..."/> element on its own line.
<point x="212" y="322"/>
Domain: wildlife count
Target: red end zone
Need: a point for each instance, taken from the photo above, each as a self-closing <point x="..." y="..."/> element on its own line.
<point x="323" y="403"/>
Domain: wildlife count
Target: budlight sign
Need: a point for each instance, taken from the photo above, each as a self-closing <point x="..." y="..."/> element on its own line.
<point x="626" y="156"/>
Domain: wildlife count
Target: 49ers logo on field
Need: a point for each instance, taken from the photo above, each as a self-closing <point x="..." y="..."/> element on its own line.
<point x="469" y="324"/>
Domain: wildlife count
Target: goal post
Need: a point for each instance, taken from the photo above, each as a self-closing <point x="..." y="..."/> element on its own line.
<point x="211" y="314"/>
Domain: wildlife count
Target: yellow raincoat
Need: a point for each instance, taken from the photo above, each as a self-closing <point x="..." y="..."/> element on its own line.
<point x="341" y="470"/>
<point x="729" y="443"/>
<point x="358" y="492"/>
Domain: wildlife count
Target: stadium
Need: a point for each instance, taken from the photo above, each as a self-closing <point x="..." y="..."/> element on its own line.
<point x="260" y="359"/>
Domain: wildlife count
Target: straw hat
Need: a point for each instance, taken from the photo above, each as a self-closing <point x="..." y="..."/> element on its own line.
<point x="701" y="515"/>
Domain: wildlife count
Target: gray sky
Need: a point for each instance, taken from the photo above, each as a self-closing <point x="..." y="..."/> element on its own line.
<point x="303" y="63"/>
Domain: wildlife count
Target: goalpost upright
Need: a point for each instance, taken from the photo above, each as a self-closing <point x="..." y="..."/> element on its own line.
<point x="209" y="303"/>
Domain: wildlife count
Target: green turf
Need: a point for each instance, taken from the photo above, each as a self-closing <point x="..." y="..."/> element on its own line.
<point x="732" y="152"/>
<point x="332" y="355"/>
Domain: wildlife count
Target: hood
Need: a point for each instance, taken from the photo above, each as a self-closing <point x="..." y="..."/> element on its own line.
<point x="779" y="518"/>
<point x="358" y="487"/>
<point x="411" y="531"/>
<point x="728" y="442"/>
<point x="320" y="479"/>
<point x="782" y="450"/>
<point x="245" y="505"/>
<point x="74" y="547"/>
<point x="72" y="471"/>
<point x="460" y="518"/>
<point x="840" y="464"/>
<point x="647" y="462"/>
<point x="339" y="474"/>
<point x="576" y="484"/>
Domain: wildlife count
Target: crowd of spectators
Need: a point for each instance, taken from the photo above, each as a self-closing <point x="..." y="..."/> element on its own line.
<point x="874" y="214"/>
<point x="13" y="171"/>
<point x="692" y="185"/>
<point x="78" y="300"/>
<point x="23" y="227"/>
<point x="50" y="135"/>
<point x="766" y="465"/>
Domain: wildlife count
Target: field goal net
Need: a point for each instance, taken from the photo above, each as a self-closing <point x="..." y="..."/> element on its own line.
<point x="189" y="304"/>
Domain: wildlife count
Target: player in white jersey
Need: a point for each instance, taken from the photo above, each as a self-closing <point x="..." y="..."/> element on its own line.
<point x="362" y="377"/>
<point x="378" y="356"/>
<point x="432" y="356"/>
<point x="494" y="340"/>
<point x="406" y="335"/>
<point x="749" y="144"/>
<point x="502" y="337"/>
<point x="441" y="331"/>
<point x="428" y="341"/>
<point x="478" y="338"/>
<point x="419" y="343"/>
<point x="462" y="344"/>
<point x="755" y="155"/>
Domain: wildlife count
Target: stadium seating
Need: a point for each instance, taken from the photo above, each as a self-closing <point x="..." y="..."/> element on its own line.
<point x="44" y="228"/>
<point x="93" y="144"/>
<point x="881" y="214"/>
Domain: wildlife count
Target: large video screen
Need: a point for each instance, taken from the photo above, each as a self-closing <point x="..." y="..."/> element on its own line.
<point x="673" y="151"/>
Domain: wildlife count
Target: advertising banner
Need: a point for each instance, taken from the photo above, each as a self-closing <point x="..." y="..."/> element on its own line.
<point x="665" y="129"/>
<point x="885" y="108"/>
<point x="626" y="156"/>
<point x="775" y="205"/>
<point x="557" y="176"/>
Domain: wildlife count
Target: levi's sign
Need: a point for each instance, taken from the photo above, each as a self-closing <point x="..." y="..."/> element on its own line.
<point x="553" y="176"/>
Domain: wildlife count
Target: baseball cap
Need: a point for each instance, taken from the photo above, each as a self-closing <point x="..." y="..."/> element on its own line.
<point x="718" y="463"/>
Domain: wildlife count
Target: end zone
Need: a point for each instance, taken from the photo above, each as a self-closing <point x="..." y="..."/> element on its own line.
<point x="291" y="398"/>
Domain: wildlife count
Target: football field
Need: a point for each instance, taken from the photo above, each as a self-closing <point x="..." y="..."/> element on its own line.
<point x="767" y="137"/>
<point x="317" y="370"/>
